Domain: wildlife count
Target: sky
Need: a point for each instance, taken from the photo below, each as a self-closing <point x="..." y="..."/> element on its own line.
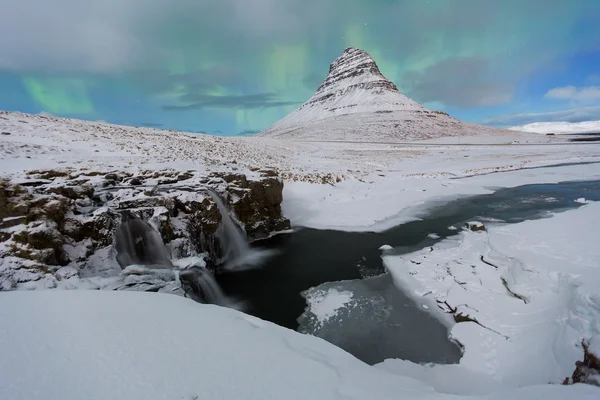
<point x="233" y="67"/>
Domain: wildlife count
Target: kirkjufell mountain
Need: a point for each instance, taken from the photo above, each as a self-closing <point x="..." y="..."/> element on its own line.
<point x="357" y="103"/>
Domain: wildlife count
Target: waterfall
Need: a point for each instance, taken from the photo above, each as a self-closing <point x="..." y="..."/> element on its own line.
<point x="203" y="287"/>
<point x="233" y="243"/>
<point x="138" y="243"/>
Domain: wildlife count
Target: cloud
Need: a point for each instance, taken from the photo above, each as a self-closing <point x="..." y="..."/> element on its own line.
<point x="162" y="82"/>
<point x="584" y="94"/>
<point x="202" y="101"/>
<point x="573" y="115"/>
<point x="113" y="35"/>
<point x="458" y="82"/>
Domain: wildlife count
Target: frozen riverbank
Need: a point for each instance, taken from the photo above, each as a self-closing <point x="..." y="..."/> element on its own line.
<point x="526" y="295"/>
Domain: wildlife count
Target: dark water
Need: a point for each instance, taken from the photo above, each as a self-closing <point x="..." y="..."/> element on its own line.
<point x="309" y="257"/>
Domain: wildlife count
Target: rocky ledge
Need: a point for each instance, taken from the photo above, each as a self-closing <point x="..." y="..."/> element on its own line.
<point x="57" y="226"/>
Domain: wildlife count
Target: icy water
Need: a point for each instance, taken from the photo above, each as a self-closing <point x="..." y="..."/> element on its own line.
<point x="383" y="322"/>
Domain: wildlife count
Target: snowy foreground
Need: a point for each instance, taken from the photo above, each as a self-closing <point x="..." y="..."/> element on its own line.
<point x="533" y="295"/>
<point x="530" y="291"/>
<point x="129" y="345"/>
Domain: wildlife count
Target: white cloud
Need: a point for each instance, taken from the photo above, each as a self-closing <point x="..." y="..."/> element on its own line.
<point x="590" y="93"/>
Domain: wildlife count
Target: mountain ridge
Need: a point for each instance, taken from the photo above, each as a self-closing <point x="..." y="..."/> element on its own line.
<point x="356" y="102"/>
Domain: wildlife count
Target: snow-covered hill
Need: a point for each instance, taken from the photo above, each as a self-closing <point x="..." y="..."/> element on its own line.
<point x="357" y="103"/>
<point x="559" y="127"/>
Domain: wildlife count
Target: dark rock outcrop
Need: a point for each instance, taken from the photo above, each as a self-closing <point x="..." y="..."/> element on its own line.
<point x="588" y="370"/>
<point x="70" y="221"/>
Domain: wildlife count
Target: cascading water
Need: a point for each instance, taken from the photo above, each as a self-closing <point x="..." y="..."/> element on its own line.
<point x="138" y="243"/>
<point x="236" y="249"/>
<point x="203" y="285"/>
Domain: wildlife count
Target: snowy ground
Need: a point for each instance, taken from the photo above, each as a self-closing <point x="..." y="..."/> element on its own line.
<point x="100" y="351"/>
<point x="532" y="290"/>
<point x="128" y="345"/>
<point x="560" y="127"/>
<point x="379" y="202"/>
<point x="359" y="186"/>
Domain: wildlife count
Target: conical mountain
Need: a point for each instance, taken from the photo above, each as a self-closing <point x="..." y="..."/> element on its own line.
<point x="357" y="103"/>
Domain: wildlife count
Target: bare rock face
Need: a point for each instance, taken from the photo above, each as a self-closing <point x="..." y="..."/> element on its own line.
<point x="73" y="226"/>
<point x="357" y="103"/>
<point x="257" y="204"/>
<point x="588" y="370"/>
<point x="352" y="71"/>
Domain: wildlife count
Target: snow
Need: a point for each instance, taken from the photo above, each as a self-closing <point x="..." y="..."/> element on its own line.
<point x="379" y="203"/>
<point x="127" y="345"/>
<point x="357" y="103"/>
<point x="560" y="127"/>
<point x="346" y="186"/>
<point x="532" y="290"/>
<point x="325" y="304"/>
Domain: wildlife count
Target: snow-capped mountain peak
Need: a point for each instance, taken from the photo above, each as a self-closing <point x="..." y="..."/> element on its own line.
<point x="356" y="102"/>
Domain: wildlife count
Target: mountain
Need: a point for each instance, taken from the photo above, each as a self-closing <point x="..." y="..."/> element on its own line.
<point x="357" y="103"/>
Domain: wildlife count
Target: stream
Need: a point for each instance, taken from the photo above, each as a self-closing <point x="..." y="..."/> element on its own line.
<point x="386" y="323"/>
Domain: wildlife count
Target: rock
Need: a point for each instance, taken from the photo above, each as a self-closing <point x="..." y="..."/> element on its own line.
<point x="112" y="177"/>
<point x="72" y="228"/>
<point x="9" y="222"/>
<point x="69" y="214"/>
<point x="66" y="273"/>
<point x="4" y="236"/>
<point x="100" y="227"/>
<point x="56" y="210"/>
<point x="12" y="199"/>
<point x="184" y="176"/>
<point x="269" y="172"/>
<point x="259" y="208"/>
<point x="151" y="192"/>
<point x="148" y="202"/>
<point x="167" y="181"/>
<point x="588" y="370"/>
<point x="73" y="192"/>
<point x="475" y="226"/>
<point x="231" y="177"/>
<point x="136" y="181"/>
<point x="48" y="237"/>
<point x="50" y="174"/>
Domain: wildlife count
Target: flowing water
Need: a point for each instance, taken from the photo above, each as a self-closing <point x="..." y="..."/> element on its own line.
<point x="384" y="322"/>
<point x="202" y="286"/>
<point x="233" y="242"/>
<point x="138" y="243"/>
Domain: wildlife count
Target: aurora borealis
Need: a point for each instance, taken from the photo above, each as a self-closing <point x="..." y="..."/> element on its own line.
<point x="236" y="66"/>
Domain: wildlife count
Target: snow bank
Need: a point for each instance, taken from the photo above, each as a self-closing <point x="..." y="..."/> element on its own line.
<point x="560" y="127"/>
<point x="525" y="294"/>
<point x="380" y="203"/>
<point x="71" y="345"/>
